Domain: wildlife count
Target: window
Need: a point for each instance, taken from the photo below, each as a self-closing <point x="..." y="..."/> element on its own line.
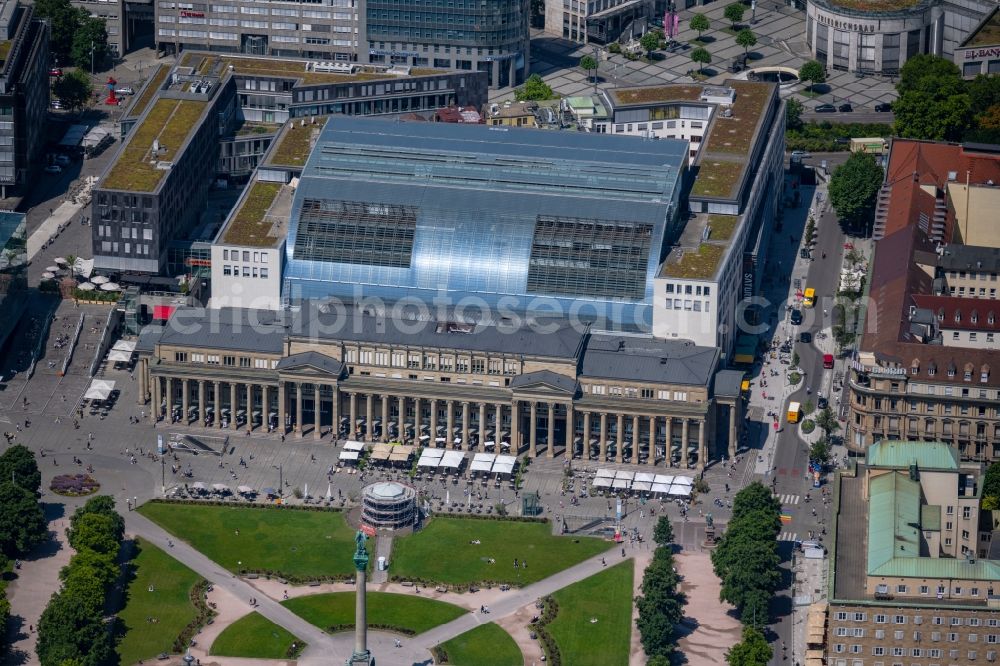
<point x="180" y="357"/>
<point x="197" y="358"/>
<point x="966" y="512"/>
<point x="229" y="360"/>
<point x="901" y="589"/>
<point x="880" y="619"/>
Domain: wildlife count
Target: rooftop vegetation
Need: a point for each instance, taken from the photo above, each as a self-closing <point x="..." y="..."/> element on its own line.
<point x="717" y="178"/>
<point x="697" y="264"/>
<point x="289" y="69"/>
<point x="735" y="135"/>
<point x="722" y="226"/>
<point x="248" y="226"/>
<point x="295" y="142"/>
<point x="989" y="34"/>
<point x="5" y="49"/>
<point x="170" y="121"/>
<point x="149" y="91"/>
<point x="876" y="5"/>
<point x="671" y="93"/>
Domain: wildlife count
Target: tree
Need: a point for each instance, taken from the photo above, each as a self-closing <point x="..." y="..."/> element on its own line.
<point x="746" y="39"/>
<point x="73" y="88"/>
<point x="103" y="505"/>
<point x="22" y="523"/>
<point x="90" y="43"/>
<point x="534" y="88"/>
<point x="819" y="452"/>
<point x="663" y="533"/>
<point x="826" y="421"/>
<point x="700" y="23"/>
<point x="984" y="92"/>
<point x="702" y="57"/>
<point x="991" y="488"/>
<point x="854" y="187"/>
<point x="754" y="497"/>
<point x="753" y="650"/>
<point x="734" y="13"/>
<point x="68" y="631"/>
<point x="813" y="72"/>
<point x="925" y="66"/>
<point x="793" y="113"/>
<point x="96" y="532"/>
<point x="589" y="64"/>
<point x="939" y="108"/>
<point x="649" y="43"/>
<point x="17" y="464"/>
<point x="63" y="21"/>
<point x="97" y="566"/>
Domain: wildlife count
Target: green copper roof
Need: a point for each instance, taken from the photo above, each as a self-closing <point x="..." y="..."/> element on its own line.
<point x="930" y="518"/>
<point x="893" y="519"/>
<point x="900" y="455"/>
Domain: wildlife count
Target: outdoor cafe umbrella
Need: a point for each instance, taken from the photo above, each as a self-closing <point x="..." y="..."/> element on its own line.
<point x="109" y="286"/>
<point x="100" y="279"/>
<point x="220" y="487"/>
<point x="52" y="269"/>
<point x="198" y="485"/>
<point x="85" y="286"/>
<point x="60" y="261"/>
<point x="270" y="491"/>
<point x="245" y="490"/>
<point x="47" y="275"/>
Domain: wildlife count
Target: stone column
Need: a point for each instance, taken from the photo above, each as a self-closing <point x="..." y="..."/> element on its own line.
<point x="702" y="448"/>
<point x="316" y="412"/>
<point x="157" y="399"/>
<point x="533" y="430"/>
<point x="385" y="418"/>
<point x="232" y="404"/>
<point x="434" y="422"/>
<point x="685" y="457"/>
<point x="482" y="427"/>
<point x="402" y="418"/>
<point x="352" y="409"/>
<point x="282" y="405"/>
<point x="621" y="438"/>
<point x="265" y="406"/>
<point x="298" y="408"/>
<point x="498" y="425"/>
<point x="335" y="412"/>
<point x="416" y="420"/>
<point x="635" y="439"/>
<point x="201" y="401"/>
<point x="143" y="390"/>
<point x="449" y="438"/>
<point x="651" y="460"/>
<point x="586" y="435"/>
<point x="515" y="426"/>
<point x="185" y="401"/>
<point x="570" y="431"/>
<point x="369" y="417"/>
<point x="170" y="399"/>
<point x="550" y="435"/>
<point x="732" y="431"/>
<point x="604" y="437"/>
<point x="465" y="424"/>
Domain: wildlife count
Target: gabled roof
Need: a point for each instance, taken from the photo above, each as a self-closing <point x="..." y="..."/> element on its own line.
<point x="967" y="314"/>
<point x="311" y="359"/>
<point x="895" y="454"/>
<point x="893" y="520"/>
<point x="545" y="378"/>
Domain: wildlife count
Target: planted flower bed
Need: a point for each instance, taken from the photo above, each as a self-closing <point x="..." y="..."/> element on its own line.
<point x="74" y="485"/>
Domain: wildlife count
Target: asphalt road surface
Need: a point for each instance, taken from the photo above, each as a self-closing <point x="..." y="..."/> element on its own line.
<point x="856" y="116"/>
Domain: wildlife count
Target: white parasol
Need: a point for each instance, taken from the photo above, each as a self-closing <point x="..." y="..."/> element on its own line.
<point x="48" y="275"/>
<point x="52" y="269"/>
<point x="110" y="286"/>
<point x="86" y="286"/>
<point x="100" y="279"/>
<point x="60" y="261"/>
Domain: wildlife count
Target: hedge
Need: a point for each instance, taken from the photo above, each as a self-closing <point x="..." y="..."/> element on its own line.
<point x="204" y="614"/>
<point x="550" y="608"/>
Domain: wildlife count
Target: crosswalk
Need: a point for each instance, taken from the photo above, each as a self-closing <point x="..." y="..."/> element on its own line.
<point x="788" y="536"/>
<point x="789" y="499"/>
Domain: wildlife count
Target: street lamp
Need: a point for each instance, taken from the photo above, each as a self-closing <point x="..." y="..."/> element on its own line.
<point x="753" y="9"/>
<point x="281" y="485"/>
<point x="163" y="475"/>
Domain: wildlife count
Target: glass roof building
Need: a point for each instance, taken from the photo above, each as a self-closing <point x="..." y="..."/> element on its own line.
<point x="491" y="222"/>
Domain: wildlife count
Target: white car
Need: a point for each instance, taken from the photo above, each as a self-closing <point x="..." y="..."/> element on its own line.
<point x="124" y="91"/>
<point x="53" y="168"/>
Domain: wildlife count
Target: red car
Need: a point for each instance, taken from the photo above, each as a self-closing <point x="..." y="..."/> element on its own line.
<point x="828" y="361"/>
<point x="55" y="71"/>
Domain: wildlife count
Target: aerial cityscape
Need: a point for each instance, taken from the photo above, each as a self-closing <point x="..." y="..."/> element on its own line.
<point x="585" y="333"/>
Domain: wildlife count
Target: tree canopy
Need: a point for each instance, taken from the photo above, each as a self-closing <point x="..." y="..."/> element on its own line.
<point x="661" y="606"/>
<point x="752" y="650"/>
<point x="793" y="113"/>
<point x="925" y="66"/>
<point x="663" y="533"/>
<point x="991" y="488"/>
<point x="74" y="88"/>
<point x="22" y="523"/>
<point x="701" y="56"/>
<point x="63" y="21"/>
<point x="854" y="187"/>
<point x="700" y="23"/>
<point x="18" y="465"/>
<point x="813" y="72"/>
<point x="746" y="39"/>
<point x="534" y="88"/>
<point x="649" y="42"/>
<point x="90" y="34"/>
<point x="734" y="13"/>
<point x="588" y="63"/>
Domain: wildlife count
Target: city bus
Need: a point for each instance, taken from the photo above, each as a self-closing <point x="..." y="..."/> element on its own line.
<point x="809" y="297"/>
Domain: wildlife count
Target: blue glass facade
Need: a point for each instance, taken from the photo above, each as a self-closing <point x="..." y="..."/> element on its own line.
<point x="514" y="220"/>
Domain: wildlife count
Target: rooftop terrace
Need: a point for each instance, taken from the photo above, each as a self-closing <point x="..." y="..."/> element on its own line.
<point x="647" y="94"/>
<point x="262" y="218"/>
<point x="169" y="121"/>
<point x="295" y="142"/>
<point x="206" y="64"/>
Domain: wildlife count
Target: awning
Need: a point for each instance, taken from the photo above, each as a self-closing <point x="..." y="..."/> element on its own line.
<point x="624" y="474"/>
<point x="220" y="487"/>
<point x="680" y="490"/>
<point x="482" y="462"/>
<point x="351" y="445"/>
<point x="663" y="478"/>
<point x="246" y="490"/>
<point x="119" y="356"/>
<point x="644" y="477"/>
<point x="500" y="467"/>
<point x="400" y="453"/>
<point x="602" y="482"/>
<point x="641" y="485"/>
<point x="452" y="459"/>
<point x="348" y="455"/>
<point x="605" y="474"/>
<point x="746" y="349"/>
<point x="381" y="451"/>
<point x="162" y="312"/>
<point x="125" y="345"/>
<point x="660" y="488"/>
<point x="100" y="389"/>
<point x="198" y="485"/>
<point x="621" y="483"/>
<point x="430" y="458"/>
<point x="683" y="481"/>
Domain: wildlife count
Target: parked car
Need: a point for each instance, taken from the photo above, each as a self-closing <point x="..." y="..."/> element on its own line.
<point x="845" y="107"/>
<point x="883" y="107"/>
<point x="55" y="71"/>
<point x="127" y="90"/>
<point x="63" y="160"/>
<point x="53" y="168"/>
<point x="804" y="253"/>
<point x="800" y="154"/>
<point x="822" y="403"/>
<point x="796" y="317"/>
<point x="825" y="108"/>
<point x="57" y="104"/>
<point x="805" y="337"/>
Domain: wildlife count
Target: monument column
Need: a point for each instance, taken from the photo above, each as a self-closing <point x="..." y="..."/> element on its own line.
<point x="385" y="418"/>
<point x="635" y="440"/>
<point x="619" y="448"/>
<point x="515" y="426"/>
<point x="449" y="435"/>
<point x="416" y="420"/>
<point x="265" y="407"/>
<point x="586" y="436"/>
<point x="465" y="425"/>
<point x="684" y="444"/>
<point x="201" y="401"/>
<point x="352" y="427"/>
<point x="232" y="405"/>
<point x="298" y="408"/>
<point x="361" y="655"/>
<point x="369" y="408"/>
<point x="702" y="449"/>
<point x="154" y="411"/>
<point x="570" y="431"/>
<point x="550" y="434"/>
<point x="282" y="400"/>
<point x="335" y="412"/>
<point x="651" y="460"/>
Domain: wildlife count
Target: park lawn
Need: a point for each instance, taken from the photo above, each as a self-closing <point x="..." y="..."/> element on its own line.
<point x="296" y="543"/>
<point x="606" y="596"/>
<point x="411" y="614"/>
<point x="486" y="645"/>
<point x="169" y="602"/>
<point x="441" y="552"/>
<point x="255" y="637"/>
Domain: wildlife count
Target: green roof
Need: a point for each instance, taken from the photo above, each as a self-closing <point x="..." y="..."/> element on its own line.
<point x="893" y="520"/>
<point x="896" y="454"/>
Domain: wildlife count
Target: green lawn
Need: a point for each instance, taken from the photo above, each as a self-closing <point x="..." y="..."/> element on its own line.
<point x="169" y="603"/>
<point x="409" y="613"/>
<point x="297" y="543"/>
<point x="486" y="645"/>
<point x="420" y="555"/>
<point x="606" y="596"/>
<point x="255" y="637"/>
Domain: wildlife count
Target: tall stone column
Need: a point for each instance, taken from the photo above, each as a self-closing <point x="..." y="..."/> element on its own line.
<point x="169" y="382"/>
<point x="516" y="439"/>
<point x="533" y="430"/>
<point x="282" y="407"/>
<point x="185" y="401"/>
<point x="201" y="401"/>
<point x="233" y="404"/>
<point x="335" y="412"/>
<point x="298" y="408"/>
<point x="465" y="424"/>
<point x="635" y="439"/>
<point x="316" y="412"/>
<point x="265" y="406"/>
<point x="604" y="437"/>
<point x="416" y="420"/>
<point x="385" y="417"/>
<point x="143" y="389"/>
<point x="651" y="460"/>
<point x="369" y="417"/>
<point x="586" y="435"/>
<point x="550" y="434"/>
<point x="619" y="449"/>
<point x="352" y="412"/>
<point x="498" y="424"/>
<point x="401" y="426"/>
<point x="482" y="427"/>
<point x="449" y="437"/>
<point x="154" y="412"/>
<point x="732" y="431"/>
<point x="702" y="448"/>
<point x="434" y="422"/>
<point x="361" y="656"/>
<point x="685" y="456"/>
<point x="570" y="431"/>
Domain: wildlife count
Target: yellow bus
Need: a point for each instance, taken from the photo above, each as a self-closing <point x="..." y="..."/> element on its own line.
<point x="794" y="412"/>
<point x="809" y="297"/>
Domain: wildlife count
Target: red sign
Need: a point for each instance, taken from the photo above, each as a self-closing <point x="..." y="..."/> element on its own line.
<point x="162" y="312"/>
<point x="368" y="529"/>
<point x="190" y="14"/>
<point x="194" y="261"/>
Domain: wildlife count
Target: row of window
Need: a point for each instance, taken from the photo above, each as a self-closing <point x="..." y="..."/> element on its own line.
<point x="231" y="361"/>
<point x="248" y="271"/>
<point x="688" y="289"/>
<point x="630" y="392"/>
<point x="972" y="275"/>
<point x="687" y="304"/>
<point x="932" y="653"/>
<point x="929" y="407"/>
<point x="141" y="249"/>
<point x="247" y="255"/>
<point x="937" y="620"/>
<point x="429" y="361"/>
<point x="126" y="232"/>
<point x="972" y="292"/>
<point x="972" y="336"/>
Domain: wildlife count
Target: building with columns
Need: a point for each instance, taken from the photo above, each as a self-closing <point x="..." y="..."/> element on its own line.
<point x="546" y="388"/>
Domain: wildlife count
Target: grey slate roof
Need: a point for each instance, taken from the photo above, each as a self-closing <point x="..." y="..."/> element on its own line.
<point x="649" y="359"/>
<point x="728" y="383"/>
<point x="969" y="257"/>
<point x="238" y="329"/>
<point x="148" y="337"/>
<point x="312" y="359"/>
<point x="553" y="379"/>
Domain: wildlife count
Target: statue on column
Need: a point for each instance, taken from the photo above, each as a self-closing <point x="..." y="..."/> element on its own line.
<point x="361" y="655"/>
